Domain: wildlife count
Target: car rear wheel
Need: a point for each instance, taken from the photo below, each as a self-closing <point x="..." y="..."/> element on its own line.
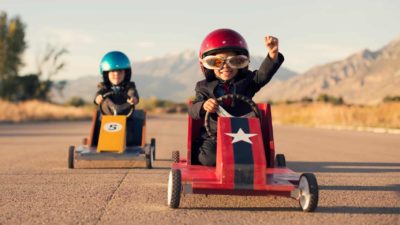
<point x="308" y="192"/>
<point x="149" y="158"/>
<point x="280" y="160"/>
<point x="71" y="152"/>
<point x="85" y="141"/>
<point x="174" y="188"/>
<point x="153" y="145"/>
<point x="175" y="156"/>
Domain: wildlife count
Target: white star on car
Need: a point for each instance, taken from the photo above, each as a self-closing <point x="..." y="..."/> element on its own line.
<point x="241" y="136"/>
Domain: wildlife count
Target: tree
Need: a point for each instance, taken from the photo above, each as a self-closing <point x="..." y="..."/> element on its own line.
<point x="33" y="86"/>
<point x="48" y="65"/>
<point x="59" y="87"/>
<point x="12" y="45"/>
<point x="20" y="88"/>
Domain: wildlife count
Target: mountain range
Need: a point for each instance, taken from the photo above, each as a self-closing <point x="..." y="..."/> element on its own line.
<point x="171" y="77"/>
<point x="365" y="77"/>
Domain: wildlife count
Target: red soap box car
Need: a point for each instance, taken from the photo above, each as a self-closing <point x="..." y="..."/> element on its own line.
<point x="246" y="162"/>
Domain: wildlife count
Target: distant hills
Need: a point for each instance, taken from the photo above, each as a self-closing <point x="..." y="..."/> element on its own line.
<point x="171" y="77"/>
<point x="365" y="77"/>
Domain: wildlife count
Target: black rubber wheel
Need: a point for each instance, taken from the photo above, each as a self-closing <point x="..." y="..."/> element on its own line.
<point x="280" y="160"/>
<point x="308" y="196"/>
<point x="149" y="158"/>
<point x="175" y="156"/>
<point x="71" y="152"/>
<point x="174" y="188"/>
<point x="153" y="144"/>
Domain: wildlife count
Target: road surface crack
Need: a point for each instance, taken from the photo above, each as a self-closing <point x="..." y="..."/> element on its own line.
<point x="110" y="198"/>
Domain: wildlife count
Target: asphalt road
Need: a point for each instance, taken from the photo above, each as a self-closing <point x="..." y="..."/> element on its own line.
<point x="358" y="175"/>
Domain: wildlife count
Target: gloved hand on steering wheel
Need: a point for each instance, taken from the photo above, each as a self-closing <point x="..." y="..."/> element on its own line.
<point x="214" y="106"/>
<point x="108" y="107"/>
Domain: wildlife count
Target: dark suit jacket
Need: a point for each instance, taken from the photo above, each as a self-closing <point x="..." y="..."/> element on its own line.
<point x="246" y="83"/>
<point x="127" y="89"/>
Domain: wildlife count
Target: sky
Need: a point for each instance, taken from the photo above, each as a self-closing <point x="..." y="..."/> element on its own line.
<point x="310" y="32"/>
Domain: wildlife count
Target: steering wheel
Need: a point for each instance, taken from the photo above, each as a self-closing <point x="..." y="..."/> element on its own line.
<point x="222" y="112"/>
<point x="116" y="108"/>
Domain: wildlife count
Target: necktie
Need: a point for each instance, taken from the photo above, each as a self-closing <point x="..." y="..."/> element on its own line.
<point x="226" y="87"/>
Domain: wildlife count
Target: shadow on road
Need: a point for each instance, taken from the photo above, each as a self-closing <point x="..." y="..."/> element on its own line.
<point x="395" y="187"/>
<point x="38" y="134"/>
<point x="336" y="209"/>
<point x="130" y="168"/>
<point x="359" y="210"/>
<point x="254" y="209"/>
<point x="344" y="167"/>
<point x="164" y="160"/>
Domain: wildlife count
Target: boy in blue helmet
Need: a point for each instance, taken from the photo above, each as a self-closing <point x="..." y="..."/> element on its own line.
<point x="116" y="72"/>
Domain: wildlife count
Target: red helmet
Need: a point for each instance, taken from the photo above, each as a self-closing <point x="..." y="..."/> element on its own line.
<point x="222" y="39"/>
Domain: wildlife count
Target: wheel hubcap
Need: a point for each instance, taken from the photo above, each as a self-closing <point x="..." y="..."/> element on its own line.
<point x="304" y="193"/>
<point x="170" y="187"/>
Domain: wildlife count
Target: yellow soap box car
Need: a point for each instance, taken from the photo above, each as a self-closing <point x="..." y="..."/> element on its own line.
<point x="116" y="138"/>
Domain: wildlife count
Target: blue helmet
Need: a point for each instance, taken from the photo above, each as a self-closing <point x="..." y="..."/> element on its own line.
<point x="115" y="60"/>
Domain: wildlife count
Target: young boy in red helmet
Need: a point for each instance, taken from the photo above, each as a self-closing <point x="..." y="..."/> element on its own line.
<point x="224" y="60"/>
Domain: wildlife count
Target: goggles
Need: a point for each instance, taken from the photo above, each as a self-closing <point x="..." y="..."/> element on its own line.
<point x="235" y="62"/>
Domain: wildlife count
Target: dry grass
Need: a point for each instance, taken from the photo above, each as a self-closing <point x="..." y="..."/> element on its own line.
<point x="317" y="114"/>
<point x="41" y="111"/>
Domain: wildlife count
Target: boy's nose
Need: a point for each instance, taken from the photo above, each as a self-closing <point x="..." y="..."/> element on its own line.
<point x="225" y="65"/>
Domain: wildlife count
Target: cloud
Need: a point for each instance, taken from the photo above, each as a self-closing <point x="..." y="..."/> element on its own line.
<point x="301" y="57"/>
<point x="68" y="37"/>
<point x="331" y="51"/>
<point x="145" y="44"/>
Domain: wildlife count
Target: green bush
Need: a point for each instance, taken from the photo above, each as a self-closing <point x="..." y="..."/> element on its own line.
<point x="330" y="99"/>
<point x="289" y="101"/>
<point x="306" y="99"/>
<point x="76" y="101"/>
<point x="20" y="88"/>
<point x="154" y="104"/>
<point x="391" y="99"/>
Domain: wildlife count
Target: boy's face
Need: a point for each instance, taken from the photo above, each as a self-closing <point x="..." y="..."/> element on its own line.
<point x="116" y="76"/>
<point x="226" y="72"/>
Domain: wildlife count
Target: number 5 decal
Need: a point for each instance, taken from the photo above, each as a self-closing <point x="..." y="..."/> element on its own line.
<point x="112" y="127"/>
